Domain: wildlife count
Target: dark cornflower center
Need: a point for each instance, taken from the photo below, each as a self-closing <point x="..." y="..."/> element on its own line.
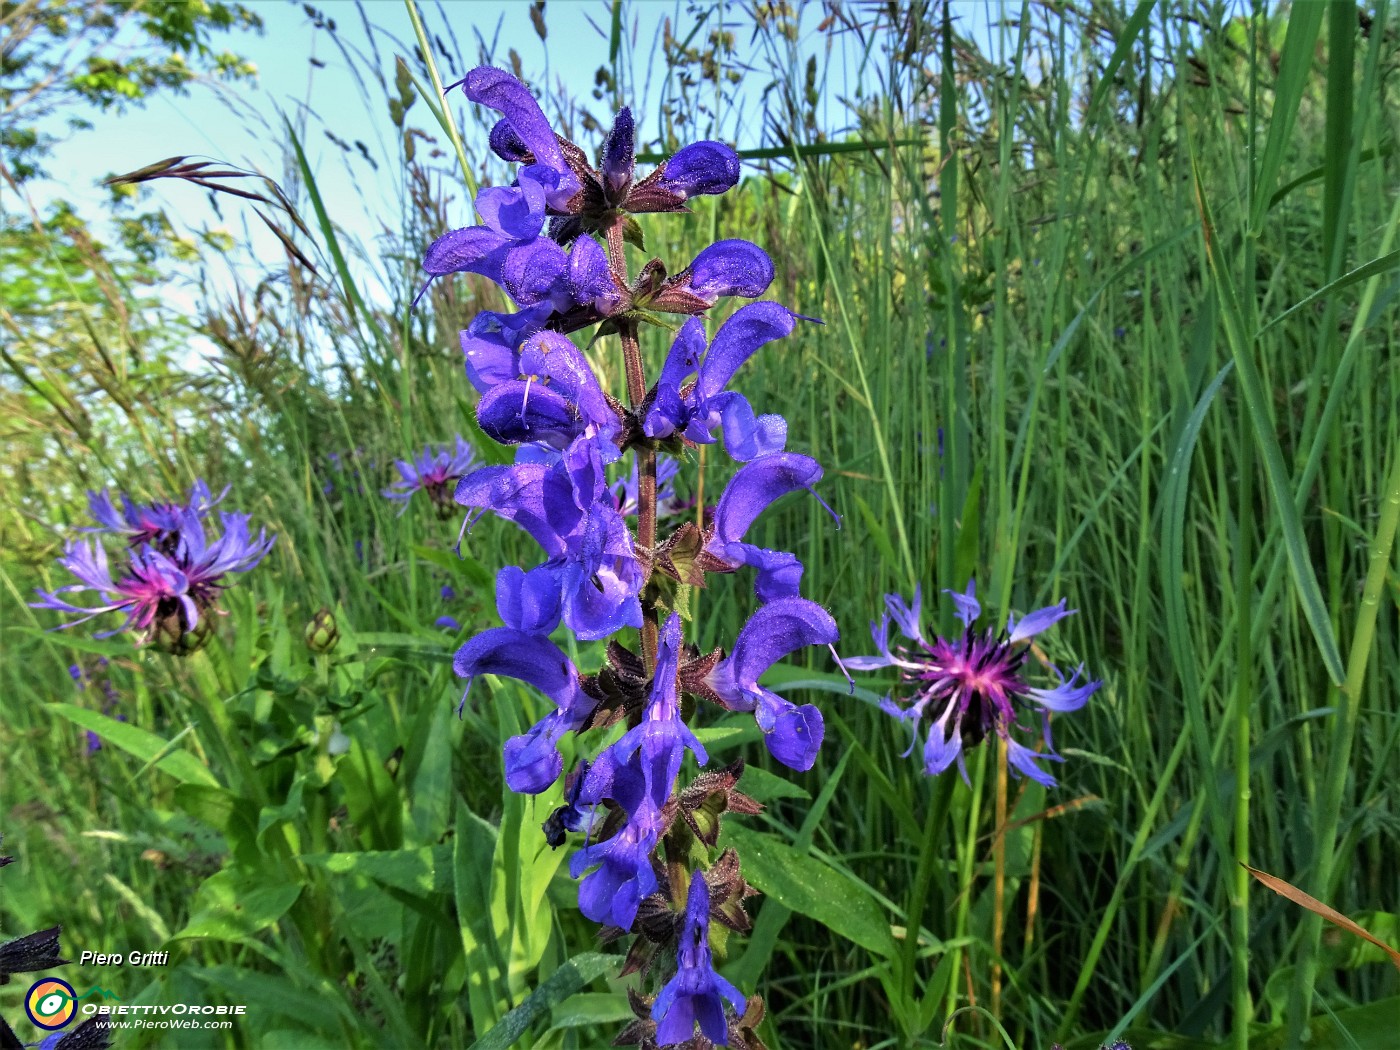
<point x="979" y="675"/>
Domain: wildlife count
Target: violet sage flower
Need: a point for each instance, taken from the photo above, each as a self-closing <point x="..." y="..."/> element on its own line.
<point x="970" y="687"/>
<point x="554" y="240"/>
<point x="697" y="993"/>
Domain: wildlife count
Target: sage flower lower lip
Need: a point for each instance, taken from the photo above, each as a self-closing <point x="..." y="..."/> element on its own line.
<point x="970" y="687"/>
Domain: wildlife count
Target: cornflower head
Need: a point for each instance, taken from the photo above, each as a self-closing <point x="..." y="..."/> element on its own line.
<point x="167" y="595"/>
<point x="154" y="524"/>
<point x="435" y="470"/>
<point x="554" y="240"/>
<point x="971" y="686"/>
<point x="668" y="503"/>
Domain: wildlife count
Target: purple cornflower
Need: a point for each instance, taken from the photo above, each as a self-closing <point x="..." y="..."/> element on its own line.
<point x="668" y="503"/>
<point x="969" y="687"/>
<point x="436" y="471"/>
<point x="166" y="595"/>
<point x="155" y="524"/>
<point x="696" y="994"/>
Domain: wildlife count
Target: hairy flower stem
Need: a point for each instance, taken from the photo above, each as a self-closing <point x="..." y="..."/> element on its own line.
<point x="646" y="457"/>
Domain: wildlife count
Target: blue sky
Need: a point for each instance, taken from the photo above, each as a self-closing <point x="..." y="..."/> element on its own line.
<point x="241" y="123"/>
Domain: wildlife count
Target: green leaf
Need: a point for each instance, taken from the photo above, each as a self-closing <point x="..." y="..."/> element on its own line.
<point x="236" y="903"/>
<point x="466" y="567"/>
<point x="573" y="976"/>
<point x="420" y="872"/>
<point x="1386" y="262"/>
<point x="1294" y="71"/>
<point x="590" y="1008"/>
<point x="151" y="749"/>
<point x="810" y="888"/>
<point x="1256" y="399"/>
<point x="632" y="234"/>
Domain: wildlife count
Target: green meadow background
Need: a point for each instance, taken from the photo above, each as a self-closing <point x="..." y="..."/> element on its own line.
<point x="1110" y="304"/>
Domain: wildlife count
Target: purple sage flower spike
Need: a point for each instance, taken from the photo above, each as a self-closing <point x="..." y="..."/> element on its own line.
<point x="793" y="734"/>
<point x="697" y="993"/>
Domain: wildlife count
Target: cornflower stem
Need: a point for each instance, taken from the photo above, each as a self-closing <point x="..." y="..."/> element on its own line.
<point x="943" y="788"/>
<point x="646" y="456"/>
<point x="999" y="880"/>
<point x="213" y="717"/>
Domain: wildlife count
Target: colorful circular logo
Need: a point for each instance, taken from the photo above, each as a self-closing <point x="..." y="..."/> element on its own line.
<point x="51" y="1003"/>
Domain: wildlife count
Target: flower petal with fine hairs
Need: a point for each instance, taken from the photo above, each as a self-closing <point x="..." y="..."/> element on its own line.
<point x="473" y="249"/>
<point x="619" y="156"/>
<point x="496" y="89"/>
<point x="757" y="486"/>
<point x="732" y="267"/>
<point x="535" y="271"/>
<point x="518" y="411"/>
<point x="591" y="278"/>
<point x="506" y="144"/>
<point x="737" y="340"/>
<point x="528" y="601"/>
<point x="700" y="168"/>
<point x="513" y="211"/>
<point x="530" y="658"/>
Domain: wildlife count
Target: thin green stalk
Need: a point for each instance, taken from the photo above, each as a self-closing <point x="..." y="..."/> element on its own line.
<point x="1339" y="762"/>
<point x="930" y="850"/>
<point x="443" y="113"/>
